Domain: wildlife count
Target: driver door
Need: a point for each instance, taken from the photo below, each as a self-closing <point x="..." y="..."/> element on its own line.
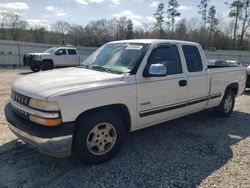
<point x="162" y="98"/>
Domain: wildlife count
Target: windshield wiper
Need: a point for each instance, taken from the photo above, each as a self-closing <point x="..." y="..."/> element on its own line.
<point x="95" y="67"/>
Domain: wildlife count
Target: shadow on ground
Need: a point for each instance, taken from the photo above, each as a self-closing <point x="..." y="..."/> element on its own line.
<point x="180" y="153"/>
<point x="25" y="73"/>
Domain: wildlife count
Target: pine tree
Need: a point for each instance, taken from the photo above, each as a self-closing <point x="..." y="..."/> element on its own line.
<point x="236" y="12"/>
<point x="212" y="21"/>
<point x="159" y="16"/>
<point x="172" y="12"/>
<point x="130" y="30"/>
<point x="203" y="12"/>
<point x="245" y="20"/>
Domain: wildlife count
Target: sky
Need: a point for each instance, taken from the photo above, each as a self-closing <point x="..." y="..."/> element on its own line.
<point x="46" y="12"/>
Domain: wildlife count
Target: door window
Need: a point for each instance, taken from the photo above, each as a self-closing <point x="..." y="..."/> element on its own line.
<point x="72" y="51"/>
<point x="167" y="55"/>
<point x="61" y="52"/>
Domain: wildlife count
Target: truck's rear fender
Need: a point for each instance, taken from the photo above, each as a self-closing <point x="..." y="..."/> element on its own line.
<point x="121" y="109"/>
<point x="216" y="101"/>
<point x="234" y="87"/>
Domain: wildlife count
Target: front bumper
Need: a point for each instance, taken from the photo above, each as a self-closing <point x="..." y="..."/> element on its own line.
<point x="54" y="141"/>
<point x="29" y="60"/>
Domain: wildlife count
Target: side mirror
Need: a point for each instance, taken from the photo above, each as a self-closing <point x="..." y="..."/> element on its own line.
<point x="156" y="70"/>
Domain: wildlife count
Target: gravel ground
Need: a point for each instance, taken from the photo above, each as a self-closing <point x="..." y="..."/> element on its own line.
<point x="200" y="150"/>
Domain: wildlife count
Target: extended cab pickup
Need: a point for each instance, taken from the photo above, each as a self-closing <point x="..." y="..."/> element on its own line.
<point x="52" y="58"/>
<point x="122" y="87"/>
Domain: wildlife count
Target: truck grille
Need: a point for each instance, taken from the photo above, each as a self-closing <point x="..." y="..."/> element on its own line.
<point x="248" y="79"/>
<point x="23" y="100"/>
<point x="21" y="113"/>
<point x="20" y="98"/>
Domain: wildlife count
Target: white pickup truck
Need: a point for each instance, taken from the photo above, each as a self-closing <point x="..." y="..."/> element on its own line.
<point x="52" y="58"/>
<point x="122" y="87"/>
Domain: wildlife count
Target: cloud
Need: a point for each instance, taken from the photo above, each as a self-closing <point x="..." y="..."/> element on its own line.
<point x="151" y="19"/>
<point x="96" y="1"/>
<point x="56" y="11"/>
<point x="116" y="2"/>
<point x="86" y="2"/>
<point x="83" y="2"/>
<point x="184" y="7"/>
<point x="39" y="23"/>
<point x="130" y="15"/>
<point x="154" y="4"/>
<point x="14" y="6"/>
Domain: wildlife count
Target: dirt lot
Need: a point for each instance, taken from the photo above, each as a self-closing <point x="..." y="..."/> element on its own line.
<point x="198" y="150"/>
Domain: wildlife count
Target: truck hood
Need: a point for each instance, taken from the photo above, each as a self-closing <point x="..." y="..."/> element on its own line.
<point x="44" y="84"/>
<point x="39" y="54"/>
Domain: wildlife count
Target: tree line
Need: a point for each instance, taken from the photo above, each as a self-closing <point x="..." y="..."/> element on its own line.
<point x="210" y="31"/>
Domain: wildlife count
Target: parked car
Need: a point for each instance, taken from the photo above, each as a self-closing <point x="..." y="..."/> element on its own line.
<point x="122" y="87"/>
<point x="223" y="63"/>
<point x="233" y="62"/>
<point x="248" y="77"/>
<point x="216" y="62"/>
<point x="52" y="58"/>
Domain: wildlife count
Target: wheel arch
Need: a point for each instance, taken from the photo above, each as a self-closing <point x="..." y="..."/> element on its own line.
<point x="120" y="109"/>
<point x="48" y="60"/>
<point x="234" y="87"/>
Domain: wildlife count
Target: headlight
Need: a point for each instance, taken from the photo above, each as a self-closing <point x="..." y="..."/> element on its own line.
<point x="46" y="122"/>
<point x="44" y="105"/>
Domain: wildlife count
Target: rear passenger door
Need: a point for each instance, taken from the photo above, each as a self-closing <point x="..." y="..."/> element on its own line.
<point x="162" y="98"/>
<point x="72" y="57"/>
<point x="197" y="77"/>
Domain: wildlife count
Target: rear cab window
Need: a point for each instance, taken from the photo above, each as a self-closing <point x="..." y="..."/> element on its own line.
<point x="71" y="51"/>
<point x="193" y="58"/>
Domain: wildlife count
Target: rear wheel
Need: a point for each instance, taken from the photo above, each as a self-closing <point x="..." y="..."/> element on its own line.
<point x="98" y="137"/>
<point x="227" y="104"/>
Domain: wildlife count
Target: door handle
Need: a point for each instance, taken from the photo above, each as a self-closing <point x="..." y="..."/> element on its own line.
<point x="182" y="83"/>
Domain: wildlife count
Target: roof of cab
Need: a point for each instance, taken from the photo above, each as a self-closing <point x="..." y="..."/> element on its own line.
<point x="151" y="41"/>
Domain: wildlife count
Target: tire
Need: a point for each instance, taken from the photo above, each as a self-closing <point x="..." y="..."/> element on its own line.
<point x="98" y="137"/>
<point x="25" y="60"/>
<point x="35" y="68"/>
<point x="226" y="106"/>
<point x="47" y="65"/>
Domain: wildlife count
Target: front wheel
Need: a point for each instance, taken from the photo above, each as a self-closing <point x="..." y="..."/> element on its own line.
<point x="47" y="65"/>
<point x="35" y="68"/>
<point x="98" y="137"/>
<point x="227" y="104"/>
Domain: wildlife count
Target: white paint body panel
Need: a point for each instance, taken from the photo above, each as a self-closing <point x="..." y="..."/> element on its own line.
<point x="78" y="90"/>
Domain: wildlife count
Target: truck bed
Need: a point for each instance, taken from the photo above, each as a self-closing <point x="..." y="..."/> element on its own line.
<point x="220" y="66"/>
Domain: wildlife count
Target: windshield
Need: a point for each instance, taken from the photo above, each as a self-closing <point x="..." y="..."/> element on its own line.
<point x="51" y="50"/>
<point x="115" y="57"/>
